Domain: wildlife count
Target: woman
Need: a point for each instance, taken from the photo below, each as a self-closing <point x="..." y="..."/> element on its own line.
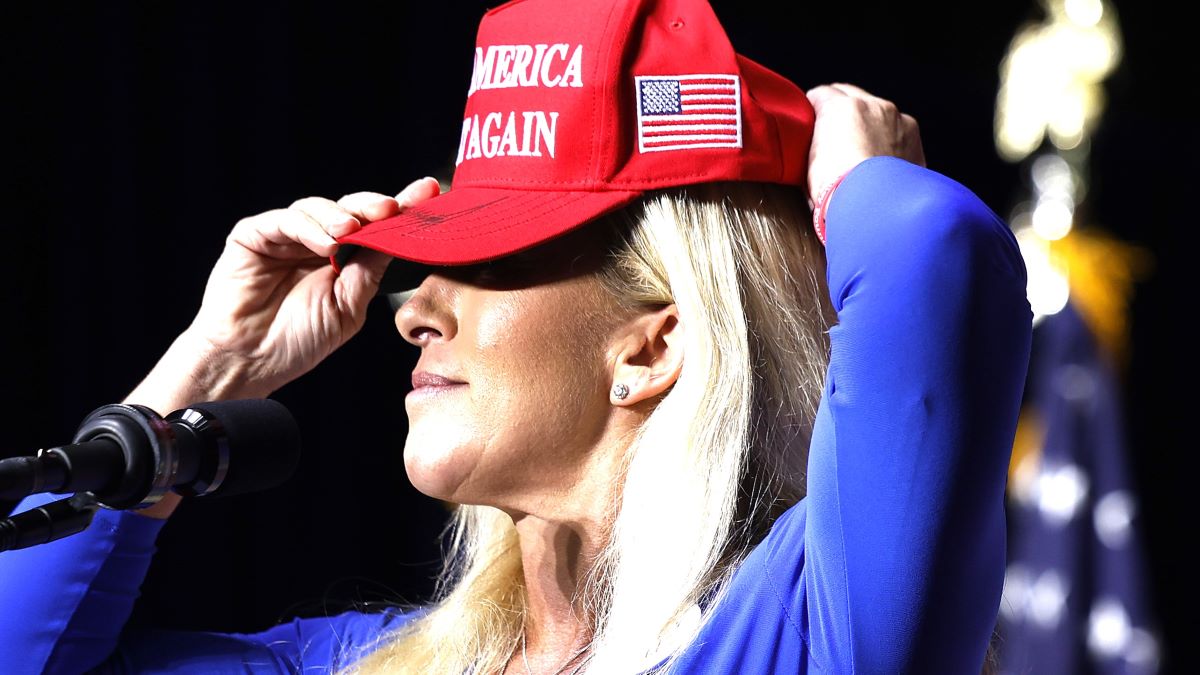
<point x="668" y="456"/>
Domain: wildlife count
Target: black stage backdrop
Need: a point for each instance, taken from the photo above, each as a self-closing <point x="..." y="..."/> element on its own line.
<point x="138" y="133"/>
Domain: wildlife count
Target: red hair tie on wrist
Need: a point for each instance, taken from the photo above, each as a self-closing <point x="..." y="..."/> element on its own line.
<point x="821" y="203"/>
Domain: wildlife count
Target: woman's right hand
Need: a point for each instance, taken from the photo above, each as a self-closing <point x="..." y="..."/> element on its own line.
<point x="274" y="307"/>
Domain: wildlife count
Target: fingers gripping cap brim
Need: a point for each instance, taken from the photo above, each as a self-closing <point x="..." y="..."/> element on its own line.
<point x="401" y="276"/>
<point x="473" y="225"/>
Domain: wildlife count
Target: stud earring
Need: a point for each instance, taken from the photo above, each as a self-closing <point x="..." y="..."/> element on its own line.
<point x="621" y="391"/>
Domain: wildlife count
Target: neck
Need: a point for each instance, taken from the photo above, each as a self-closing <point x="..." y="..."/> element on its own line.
<point x="559" y="549"/>
<point x="557" y="558"/>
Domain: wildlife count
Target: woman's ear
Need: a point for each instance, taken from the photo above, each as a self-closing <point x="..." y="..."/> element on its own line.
<point x="648" y="357"/>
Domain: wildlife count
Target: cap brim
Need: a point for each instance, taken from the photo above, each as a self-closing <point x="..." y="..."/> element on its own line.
<point x="471" y="225"/>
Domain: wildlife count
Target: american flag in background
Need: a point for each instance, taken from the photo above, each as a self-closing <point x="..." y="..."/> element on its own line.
<point x="677" y="112"/>
<point x="1076" y="593"/>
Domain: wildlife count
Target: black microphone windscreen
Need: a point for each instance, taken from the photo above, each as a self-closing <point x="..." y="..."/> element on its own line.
<point x="264" y="443"/>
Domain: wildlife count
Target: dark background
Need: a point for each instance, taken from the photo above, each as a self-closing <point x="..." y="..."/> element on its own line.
<point x="137" y="134"/>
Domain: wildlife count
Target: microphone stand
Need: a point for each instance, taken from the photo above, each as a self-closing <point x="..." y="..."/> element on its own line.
<point x="48" y="522"/>
<point x="127" y="456"/>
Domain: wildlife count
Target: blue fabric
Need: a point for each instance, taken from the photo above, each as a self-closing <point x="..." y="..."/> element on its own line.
<point x="894" y="561"/>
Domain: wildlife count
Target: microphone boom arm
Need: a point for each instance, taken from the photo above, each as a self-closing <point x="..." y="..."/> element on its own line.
<point x="48" y="522"/>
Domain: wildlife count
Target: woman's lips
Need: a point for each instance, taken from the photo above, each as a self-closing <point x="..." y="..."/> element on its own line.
<point x="430" y="383"/>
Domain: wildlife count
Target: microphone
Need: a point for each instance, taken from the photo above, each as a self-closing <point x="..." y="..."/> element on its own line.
<point x="127" y="456"/>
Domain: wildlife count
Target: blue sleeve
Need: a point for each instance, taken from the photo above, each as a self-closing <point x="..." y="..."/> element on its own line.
<point x="64" y="603"/>
<point x="904" y="539"/>
<point x="318" y="644"/>
<point x="63" y="608"/>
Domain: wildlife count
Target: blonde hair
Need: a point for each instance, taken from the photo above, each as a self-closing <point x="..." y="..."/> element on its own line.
<point x="723" y="453"/>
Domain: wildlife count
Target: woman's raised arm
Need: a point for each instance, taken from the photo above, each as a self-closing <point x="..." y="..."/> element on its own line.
<point x="274" y="307"/>
<point x="905" y="534"/>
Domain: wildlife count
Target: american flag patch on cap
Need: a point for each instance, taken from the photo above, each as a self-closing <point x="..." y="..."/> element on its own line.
<point x="677" y="112"/>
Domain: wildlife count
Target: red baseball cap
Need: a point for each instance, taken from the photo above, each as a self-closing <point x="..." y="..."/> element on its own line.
<point x="577" y="107"/>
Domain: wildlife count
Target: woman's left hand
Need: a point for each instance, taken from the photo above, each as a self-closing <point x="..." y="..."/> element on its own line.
<point x="853" y="125"/>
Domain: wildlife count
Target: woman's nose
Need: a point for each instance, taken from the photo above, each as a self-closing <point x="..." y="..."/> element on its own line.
<point x="427" y="315"/>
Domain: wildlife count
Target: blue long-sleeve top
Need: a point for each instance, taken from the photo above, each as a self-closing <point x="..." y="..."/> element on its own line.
<point x="893" y="562"/>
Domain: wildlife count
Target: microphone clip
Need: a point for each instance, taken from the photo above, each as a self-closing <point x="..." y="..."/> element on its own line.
<point x="150" y="456"/>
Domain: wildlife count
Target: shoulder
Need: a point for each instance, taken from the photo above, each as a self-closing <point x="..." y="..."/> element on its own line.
<point x="337" y="639"/>
<point x="357" y="629"/>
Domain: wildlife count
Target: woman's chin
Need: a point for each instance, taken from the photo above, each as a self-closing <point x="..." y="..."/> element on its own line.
<point x="435" y="471"/>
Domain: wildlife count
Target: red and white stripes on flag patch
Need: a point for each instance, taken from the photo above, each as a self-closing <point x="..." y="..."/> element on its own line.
<point x="678" y="112"/>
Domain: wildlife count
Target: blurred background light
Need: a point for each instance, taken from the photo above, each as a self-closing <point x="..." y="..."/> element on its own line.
<point x="1051" y="77"/>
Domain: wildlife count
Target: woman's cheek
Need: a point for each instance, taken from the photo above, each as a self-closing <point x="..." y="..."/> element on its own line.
<point x="529" y="412"/>
<point x="502" y="319"/>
